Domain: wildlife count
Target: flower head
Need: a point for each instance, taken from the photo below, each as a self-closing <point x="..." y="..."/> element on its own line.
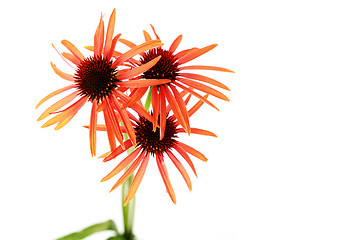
<point x="149" y="144"/>
<point x="100" y="79"/>
<point x="171" y="66"/>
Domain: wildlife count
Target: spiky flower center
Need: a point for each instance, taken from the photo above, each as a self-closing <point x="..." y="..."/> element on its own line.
<point x="149" y="140"/>
<point x="95" y="78"/>
<point x="166" y="68"/>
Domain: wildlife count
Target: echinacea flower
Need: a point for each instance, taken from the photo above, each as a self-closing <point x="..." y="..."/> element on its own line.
<point x="170" y="66"/>
<point x="99" y="80"/>
<point x="149" y="144"/>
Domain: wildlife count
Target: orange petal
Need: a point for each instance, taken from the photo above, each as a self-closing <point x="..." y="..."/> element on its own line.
<point x="197" y="106"/>
<point x="128" y="172"/>
<point x="141" y="83"/>
<point x="201" y="67"/>
<point x="175" y="44"/>
<point x="59" y="104"/>
<point x="157" y="37"/>
<point x="198" y="131"/>
<point x="109" y="35"/>
<point x="182" y="107"/>
<point x="162" y="103"/>
<point x="205" y="79"/>
<point x="122" y="165"/>
<point x="155" y="106"/>
<point x="182" y="53"/>
<point x="192" y="151"/>
<point x="54" y="94"/>
<point x="203" y="88"/>
<point x="181" y="169"/>
<point x="93" y="125"/>
<point x="73" y="50"/>
<point x="196" y="95"/>
<point x="127" y="42"/>
<point x="146" y="36"/>
<point x="137" y="180"/>
<point x="195" y="54"/>
<point x="183" y="153"/>
<point x="127" y="74"/>
<point x="71" y="58"/>
<point x="165" y="176"/>
<point x="99" y="38"/>
<point x="112" y="48"/>
<point x="119" y="150"/>
<point x="136" y="50"/>
<point x="62" y="74"/>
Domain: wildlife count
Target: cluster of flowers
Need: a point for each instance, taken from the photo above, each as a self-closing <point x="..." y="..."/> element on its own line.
<point x="114" y="82"/>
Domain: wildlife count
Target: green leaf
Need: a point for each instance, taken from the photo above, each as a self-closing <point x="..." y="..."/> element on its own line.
<point x="148" y="100"/>
<point x="108" y="225"/>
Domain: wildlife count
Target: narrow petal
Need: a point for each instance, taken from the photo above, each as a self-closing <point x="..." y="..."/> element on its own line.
<point x="155" y="106"/>
<point x="146" y="36"/>
<point x="165" y="176"/>
<point x="61" y="55"/>
<point x="122" y="165"/>
<point x="182" y="53"/>
<point x="201" y="67"/>
<point x="73" y="50"/>
<point x="92" y="130"/>
<point x="143" y="83"/>
<point x="136" y="50"/>
<point x="175" y="44"/>
<point x="59" y="104"/>
<point x="181" y="169"/>
<point x="113" y="45"/>
<point x="198" y="131"/>
<point x="196" y="95"/>
<point x="99" y="38"/>
<point x="54" y="94"/>
<point x="136" y="95"/>
<point x="62" y="74"/>
<point x="109" y="34"/>
<point x="127" y="42"/>
<point x="128" y="172"/>
<point x="157" y="36"/>
<point x="182" y="107"/>
<point x="183" y="153"/>
<point x="137" y="180"/>
<point x="71" y="58"/>
<point x="109" y="129"/>
<point x="119" y="150"/>
<point x="192" y="151"/>
<point x="162" y="101"/>
<point x="114" y="123"/>
<point x="197" y="106"/>
<point x="195" y="54"/>
<point x="203" y="88"/>
<point x="205" y="79"/>
<point x="127" y="74"/>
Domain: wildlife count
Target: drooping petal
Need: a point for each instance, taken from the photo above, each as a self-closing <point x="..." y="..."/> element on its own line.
<point x="128" y="172"/>
<point x="155" y="106"/>
<point x="192" y="151"/>
<point x="183" y="153"/>
<point x="54" y="94"/>
<point x="59" y="104"/>
<point x="109" y="35"/>
<point x="203" y="88"/>
<point x="92" y="128"/>
<point x="109" y="128"/>
<point x="73" y="50"/>
<point x="196" y="54"/>
<point x="205" y="79"/>
<point x="182" y="107"/>
<point x="61" y="74"/>
<point x="114" y="125"/>
<point x="162" y="102"/>
<point x="137" y="180"/>
<point x="196" y="95"/>
<point x="99" y="38"/>
<point x="122" y="165"/>
<point x="175" y="44"/>
<point x="181" y="169"/>
<point x="130" y="73"/>
<point x="165" y="176"/>
<point x="197" y="106"/>
<point x="201" y="67"/>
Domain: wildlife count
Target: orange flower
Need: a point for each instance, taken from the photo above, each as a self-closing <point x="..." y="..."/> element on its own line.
<point x="150" y="144"/>
<point x="98" y="80"/>
<point x="170" y="66"/>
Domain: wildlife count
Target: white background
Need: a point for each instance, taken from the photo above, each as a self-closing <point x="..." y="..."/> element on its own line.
<point x="286" y="161"/>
